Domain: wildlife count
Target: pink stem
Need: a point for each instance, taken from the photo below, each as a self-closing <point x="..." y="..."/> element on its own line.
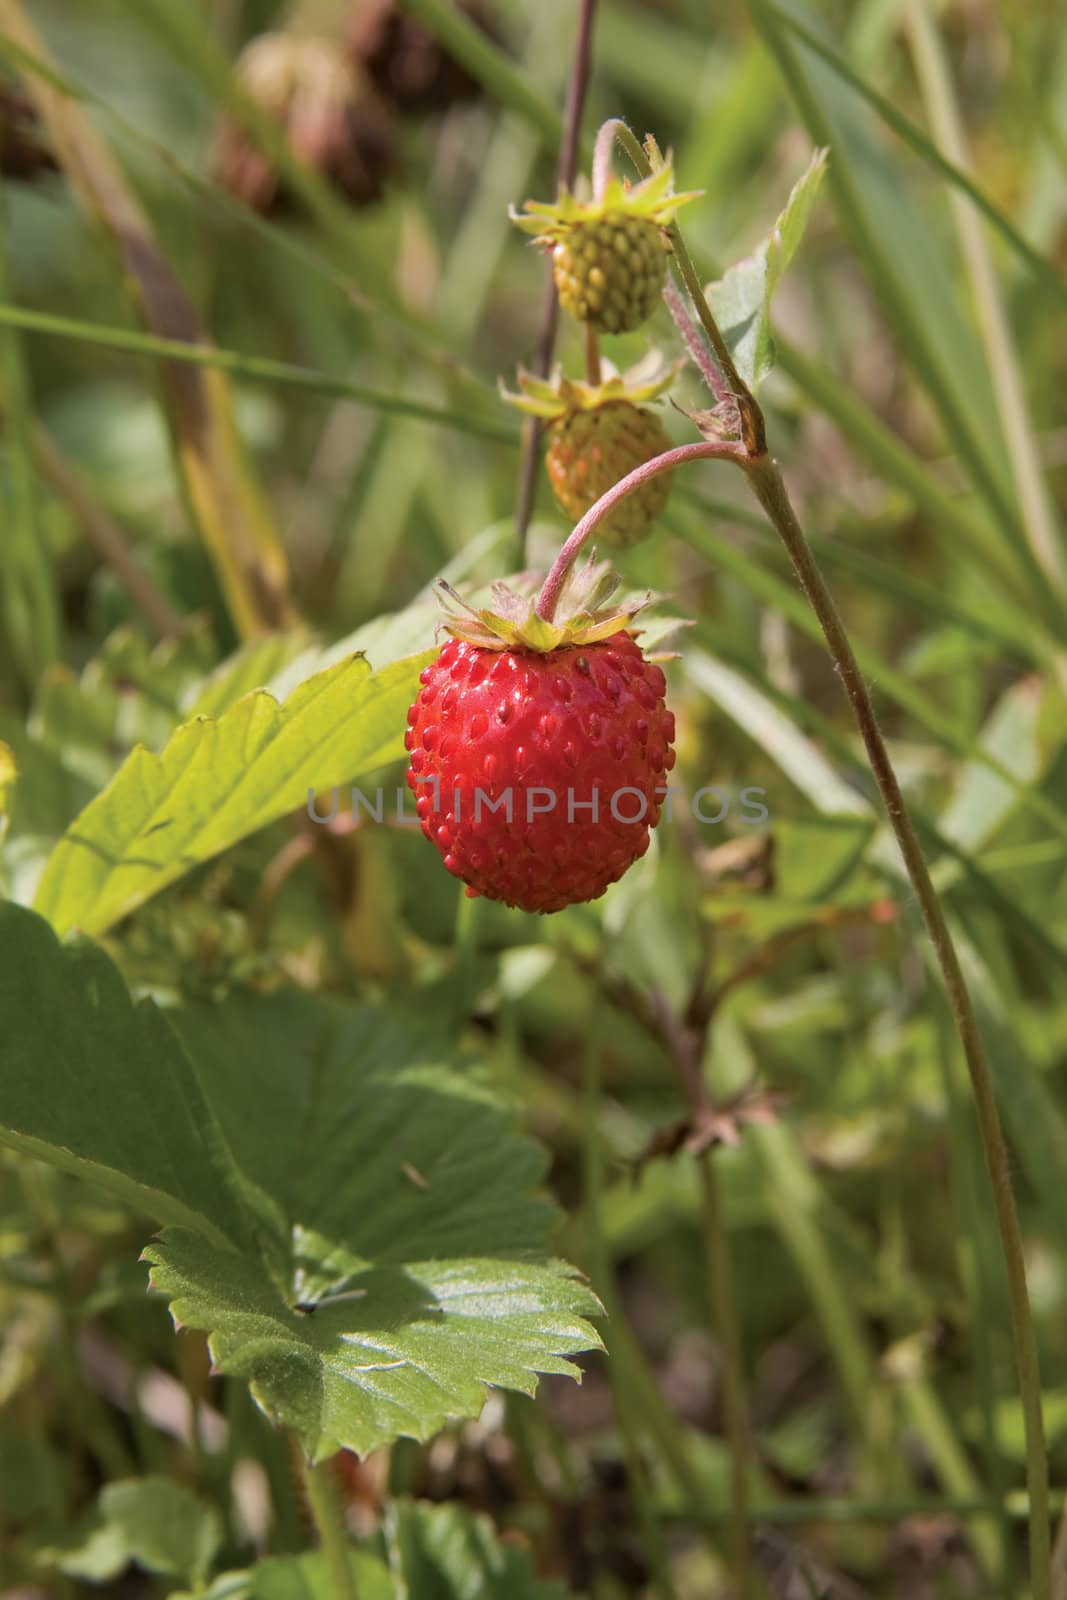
<point x="603" y="151"/>
<point x="694" y="343"/>
<point x="707" y="449"/>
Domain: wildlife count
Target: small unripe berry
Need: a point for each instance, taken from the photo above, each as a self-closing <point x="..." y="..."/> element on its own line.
<point x="589" y="451"/>
<point x="610" y="272"/>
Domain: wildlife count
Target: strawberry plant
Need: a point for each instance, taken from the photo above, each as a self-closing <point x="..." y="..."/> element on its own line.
<point x="511" y="1082"/>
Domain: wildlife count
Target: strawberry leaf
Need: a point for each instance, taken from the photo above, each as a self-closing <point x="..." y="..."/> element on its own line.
<point x="152" y="1522"/>
<point x="218" y="780"/>
<point x="351" y="1216"/>
<point x="741" y="301"/>
<point x="417" y="1242"/>
<point x="105" y="1089"/>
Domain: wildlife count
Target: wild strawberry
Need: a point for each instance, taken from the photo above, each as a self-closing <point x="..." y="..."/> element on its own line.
<point x="609" y="255"/>
<point x="539" y="752"/>
<point x="610" y="273"/>
<point x="597" y="434"/>
<point x="591" y="450"/>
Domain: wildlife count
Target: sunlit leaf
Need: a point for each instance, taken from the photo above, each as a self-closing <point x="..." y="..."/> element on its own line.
<point x="219" y="780"/>
<point x="742" y="299"/>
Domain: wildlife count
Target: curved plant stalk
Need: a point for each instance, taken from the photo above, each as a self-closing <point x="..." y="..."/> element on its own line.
<point x="766" y="482"/>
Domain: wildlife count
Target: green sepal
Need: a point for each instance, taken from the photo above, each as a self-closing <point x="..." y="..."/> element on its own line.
<point x="588" y="610"/>
<point x="559" y="396"/>
<point x="651" y="200"/>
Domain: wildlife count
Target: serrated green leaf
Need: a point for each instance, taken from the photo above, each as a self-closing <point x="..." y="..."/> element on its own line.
<point x="406" y="1349"/>
<point x="153" y="1522"/>
<point x="356" y="1227"/>
<point x="254" y="666"/>
<point x="105" y="1089"/>
<point x="741" y="300"/>
<point x="218" y="780"/>
<point x="412" y="1211"/>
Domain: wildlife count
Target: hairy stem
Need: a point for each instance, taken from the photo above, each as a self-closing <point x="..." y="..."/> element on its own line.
<point x="568" y="163"/>
<point x="328" y="1516"/>
<point x="769" y="488"/>
<point x="708" y="449"/>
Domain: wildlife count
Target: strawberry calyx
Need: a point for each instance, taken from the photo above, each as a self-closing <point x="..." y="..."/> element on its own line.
<point x="651" y="200"/>
<point x="589" y="609"/>
<point x="559" y="396"/>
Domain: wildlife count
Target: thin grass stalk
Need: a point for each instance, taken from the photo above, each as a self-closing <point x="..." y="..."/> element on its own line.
<point x="105" y="537"/>
<point x="768" y="486"/>
<point x="896" y="297"/>
<point x="261" y="369"/>
<point x="951" y="168"/>
<point x="685" y="1047"/>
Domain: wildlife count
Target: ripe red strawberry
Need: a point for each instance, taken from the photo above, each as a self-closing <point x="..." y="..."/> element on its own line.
<point x="589" y="451"/>
<point x="539" y="772"/>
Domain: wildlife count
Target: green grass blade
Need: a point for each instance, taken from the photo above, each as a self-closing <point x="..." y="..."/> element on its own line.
<point x="423" y="338"/>
<point x="259" y="369"/>
<point x="907" y="269"/>
<point x="893" y="684"/>
<point x="30" y="603"/>
<point x="1043" y="272"/>
<point x="900" y="465"/>
<point x="1005" y="369"/>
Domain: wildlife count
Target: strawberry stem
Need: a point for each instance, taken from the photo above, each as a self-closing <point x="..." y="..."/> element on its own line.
<point x="706" y="449"/>
<point x="607" y="134"/>
<point x="592" y="354"/>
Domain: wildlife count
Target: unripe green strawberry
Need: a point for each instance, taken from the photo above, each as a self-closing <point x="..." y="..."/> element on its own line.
<point x="598" y="433"/>
<point x="589" y="451"/>
<point x="610" y="273"/>
<point x="609" y="255"/>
